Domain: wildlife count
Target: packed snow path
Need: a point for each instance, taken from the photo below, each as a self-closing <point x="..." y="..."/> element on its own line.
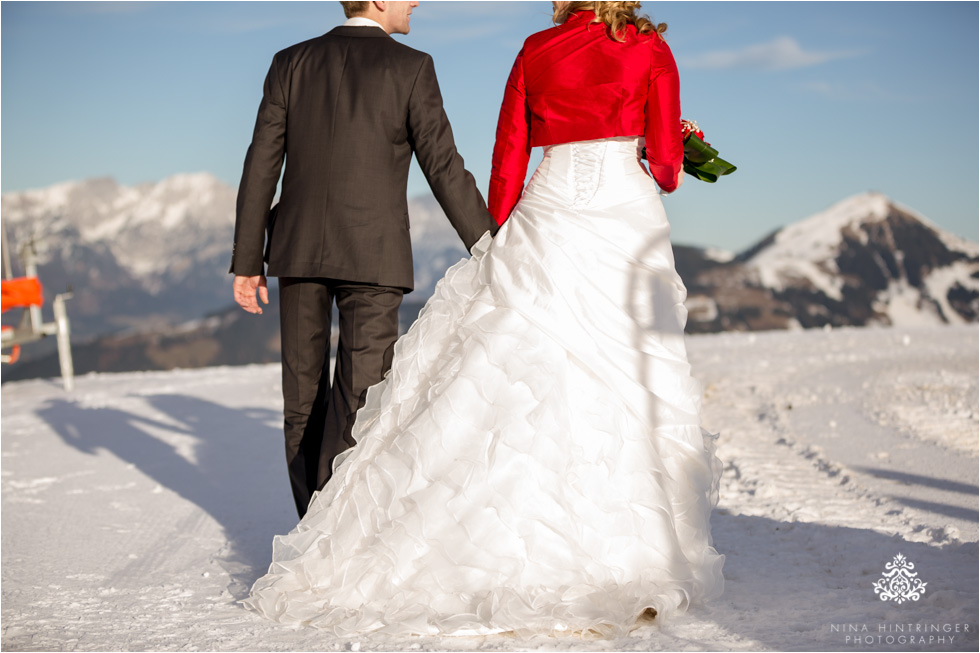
<point x="137" y="510"/>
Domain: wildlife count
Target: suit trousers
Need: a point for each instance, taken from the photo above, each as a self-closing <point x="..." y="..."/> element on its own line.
<point x="318" y="415"/>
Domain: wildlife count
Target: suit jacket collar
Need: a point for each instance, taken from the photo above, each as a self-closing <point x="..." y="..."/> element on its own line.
<point x="361" y="21"/>
<point x="358" y="31"/>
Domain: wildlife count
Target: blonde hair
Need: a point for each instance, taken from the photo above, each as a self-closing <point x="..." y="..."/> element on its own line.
<point x="615" y="15"/>
<point x="352" y="9"/>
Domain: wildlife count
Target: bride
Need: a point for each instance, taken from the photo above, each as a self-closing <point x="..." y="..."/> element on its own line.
<point x="534" y="460"/>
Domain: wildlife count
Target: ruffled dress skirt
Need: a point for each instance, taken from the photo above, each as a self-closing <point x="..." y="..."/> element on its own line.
<point x="534" y="460"/>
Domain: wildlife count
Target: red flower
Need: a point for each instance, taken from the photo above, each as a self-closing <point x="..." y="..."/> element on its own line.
<point x="689" y="127"/>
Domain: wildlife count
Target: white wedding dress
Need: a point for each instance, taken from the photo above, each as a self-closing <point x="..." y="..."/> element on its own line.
<point x="534" y="460"/>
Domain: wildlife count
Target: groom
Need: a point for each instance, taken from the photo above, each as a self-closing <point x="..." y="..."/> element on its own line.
<point x="346" y="111"/>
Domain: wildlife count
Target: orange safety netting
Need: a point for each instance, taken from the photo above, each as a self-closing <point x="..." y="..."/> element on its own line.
<point x="21" y="292"/>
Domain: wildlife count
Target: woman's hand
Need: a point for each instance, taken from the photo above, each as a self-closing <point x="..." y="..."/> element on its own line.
<point x="680" y="182"/>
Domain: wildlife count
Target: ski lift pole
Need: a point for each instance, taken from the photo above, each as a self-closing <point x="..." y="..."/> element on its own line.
<point x="28" y="257"/>
<point x="63" y="335"/>
<point x="8" y="268"/>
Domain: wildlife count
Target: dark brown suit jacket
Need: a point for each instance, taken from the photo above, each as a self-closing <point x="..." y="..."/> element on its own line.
<point x="346" y="111"/>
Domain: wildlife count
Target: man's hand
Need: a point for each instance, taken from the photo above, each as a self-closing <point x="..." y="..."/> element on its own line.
<point x="245" y="288"/>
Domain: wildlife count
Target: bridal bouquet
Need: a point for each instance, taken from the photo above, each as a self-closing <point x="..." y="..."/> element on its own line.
<point x="700" y="159"/>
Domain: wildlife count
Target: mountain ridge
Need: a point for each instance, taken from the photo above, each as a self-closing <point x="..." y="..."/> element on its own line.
<point x="145" y="259"/>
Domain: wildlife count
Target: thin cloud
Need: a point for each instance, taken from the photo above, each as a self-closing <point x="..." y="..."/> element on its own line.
<point x="866" y="91"/>
<point x="782" y="53"/>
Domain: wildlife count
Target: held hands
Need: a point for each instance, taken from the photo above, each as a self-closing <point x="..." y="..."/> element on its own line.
<point x="245" y="288"/>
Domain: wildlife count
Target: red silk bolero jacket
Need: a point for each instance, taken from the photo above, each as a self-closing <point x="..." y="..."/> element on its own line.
<point x="574" y="83"/>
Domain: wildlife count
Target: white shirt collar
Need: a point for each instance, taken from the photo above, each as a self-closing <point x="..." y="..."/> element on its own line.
<point x="361" y="21"/>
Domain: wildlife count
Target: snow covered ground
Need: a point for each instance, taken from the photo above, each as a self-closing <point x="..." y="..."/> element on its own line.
<point x="136" y="510"/>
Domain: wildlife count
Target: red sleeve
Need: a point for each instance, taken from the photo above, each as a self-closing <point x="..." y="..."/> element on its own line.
<point x="665" y="146"/>
<point x="512" y="149"/>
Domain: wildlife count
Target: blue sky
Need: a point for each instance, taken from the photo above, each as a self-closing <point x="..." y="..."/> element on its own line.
<point x="813" y="101"/>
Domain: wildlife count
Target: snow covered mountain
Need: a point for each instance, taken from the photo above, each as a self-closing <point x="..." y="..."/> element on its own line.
<point x="864" y="261"/>
<point x="149" y="261"/>
<point x="868" y="260"/>
<point x="134" y="256"/>
<point x="145" y="264"/>
<point x="156" y="232"/>
<point x="157" y="254"/>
